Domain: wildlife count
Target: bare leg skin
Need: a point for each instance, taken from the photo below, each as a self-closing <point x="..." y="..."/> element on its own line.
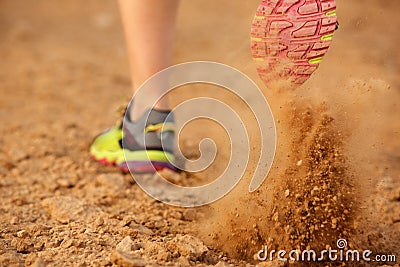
<point x="149" y="31"/>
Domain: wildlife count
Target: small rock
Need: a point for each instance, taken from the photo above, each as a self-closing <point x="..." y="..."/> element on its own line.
<point x="127" y="220"/>
<point x="65" y="182"/>
<point x="126" y="244"/>
<point x="187" y="245"/>
<point x="22" y="233"/>
<point x="99" y="222"/>
<point x="275" y="217"/>
<point x="299" y="163"/>
<point x="141" y="229"/>
<point x="163" y="256"/>
<point x="123" y="255"/>
<point x="183" y="261"/>
<point x="334" y="223"/>
<point x="287" y="193"/>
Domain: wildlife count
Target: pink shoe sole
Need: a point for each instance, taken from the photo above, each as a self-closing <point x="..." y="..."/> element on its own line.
<point x="290" y="37"/>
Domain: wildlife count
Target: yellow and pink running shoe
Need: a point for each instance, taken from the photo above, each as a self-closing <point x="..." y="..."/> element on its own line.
<point x="289" y="38"/>
<point x="143" y="146"/>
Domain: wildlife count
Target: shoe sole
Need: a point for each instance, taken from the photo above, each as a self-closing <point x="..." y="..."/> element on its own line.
<point x="136" y="166"/>
<point x="289" y="38"/>
<point x="145" y="166"/>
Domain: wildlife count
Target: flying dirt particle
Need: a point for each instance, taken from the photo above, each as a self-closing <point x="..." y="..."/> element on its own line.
<point x="334" y="223"/>
<point x="275" y="217"/>
<point x="287" y="192"/>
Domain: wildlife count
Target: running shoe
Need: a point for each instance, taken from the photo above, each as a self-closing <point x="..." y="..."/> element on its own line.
<point x="143" y="146"/>
<point x="289" y="38"/>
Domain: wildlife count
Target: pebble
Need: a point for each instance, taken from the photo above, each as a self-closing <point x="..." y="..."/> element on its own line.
<point x="334" y="223"/>
<point x="22" y="233"/>
<point x="187" y="245"/>
<point x="183" y="261"/>
<point x="126" y="244"/>
<point x="99" y="222"/>
<point x="287" y="192"/>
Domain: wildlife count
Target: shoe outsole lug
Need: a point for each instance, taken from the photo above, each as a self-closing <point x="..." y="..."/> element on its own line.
<point x="290" y="38"/>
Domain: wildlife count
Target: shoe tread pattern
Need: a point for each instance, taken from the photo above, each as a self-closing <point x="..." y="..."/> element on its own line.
<point x="290" y="37"/>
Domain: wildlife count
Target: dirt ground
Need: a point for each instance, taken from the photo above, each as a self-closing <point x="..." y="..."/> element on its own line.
<point x="63" y="73"/>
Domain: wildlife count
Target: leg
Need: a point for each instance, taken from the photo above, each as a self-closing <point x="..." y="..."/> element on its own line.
<point x="149" y="30"/>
